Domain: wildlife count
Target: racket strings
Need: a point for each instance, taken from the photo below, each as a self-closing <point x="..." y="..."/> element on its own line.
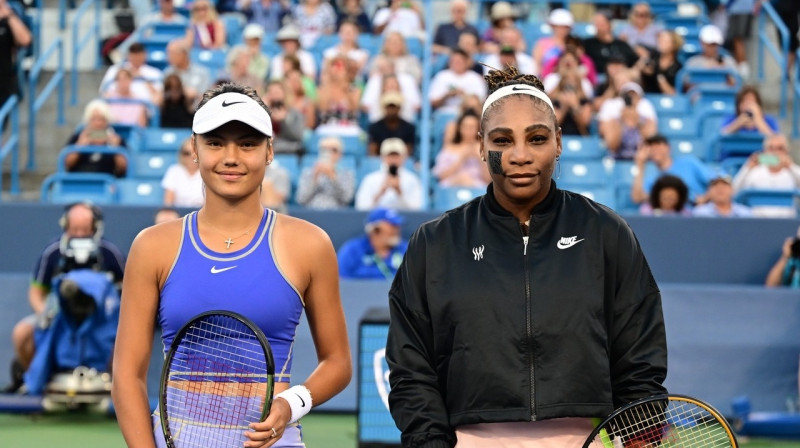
<point x="218" y="381"/>
<point x="655" y="424"/>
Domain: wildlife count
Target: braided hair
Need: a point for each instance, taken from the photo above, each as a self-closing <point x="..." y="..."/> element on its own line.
<point x="510" y="76"/>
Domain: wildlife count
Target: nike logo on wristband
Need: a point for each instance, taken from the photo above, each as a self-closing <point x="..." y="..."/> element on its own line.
<point x="302" y="402"/>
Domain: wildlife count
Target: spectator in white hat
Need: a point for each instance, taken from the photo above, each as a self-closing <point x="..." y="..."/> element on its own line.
<point x="502" y="16"/>
<point x="626" y="120"/>
<point x="547" y="48"/>
<point x="710" y="57"/>
<point x="289" y="39"/>
<point x="391" y="185"/>
<point x="253" y="35"/>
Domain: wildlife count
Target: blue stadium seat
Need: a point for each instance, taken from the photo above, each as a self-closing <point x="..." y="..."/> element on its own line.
<point x="690" y="146"/>
<point x="731" y="165"/>
<point x="780" y="198"/>
<point x="355" y="145"/>
<point x="576" y="147"/>
<point x="738" y="145"/>
<point x="214" y="60"/>
<point x="140" y="191"/>
<point x="66" y="188"/>
<point x="445" y="198"/>
<point x="693" y="75"/>
<point x="234" y="24"/>
<point x="164" y="30"/>
<point x="714" y="96"/>
<point x="677" y="104"/>
<point x="370" y="43"/>
<point x="151" y="165"/>
<point x="678" y="127"/>
<point x="440" y="121"/>
<point x="583" y="173"/>
<point x="164" y="139"/>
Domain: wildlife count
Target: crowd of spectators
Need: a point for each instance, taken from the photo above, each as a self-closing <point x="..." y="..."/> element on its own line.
<point x="352" y="71"/>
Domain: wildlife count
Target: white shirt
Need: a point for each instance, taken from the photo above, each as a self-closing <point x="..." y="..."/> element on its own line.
<point x="372" y="183"/>
<point x="405" y="21"/>
<point x="612" y="109"/>
<point x="551" y="81"/>
<point x="525" y="64"/>
<point x="307" y="65"/>
<point x="761" y="178"/>
<point x="412" y="98"/>
<point x="188" y="188"/>
<point x="139" y="89"/>
<point x="469" y="82"/>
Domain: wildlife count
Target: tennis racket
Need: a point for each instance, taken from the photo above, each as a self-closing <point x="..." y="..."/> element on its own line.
<point x="218" y="378"/>
<point x="663" y="421"/>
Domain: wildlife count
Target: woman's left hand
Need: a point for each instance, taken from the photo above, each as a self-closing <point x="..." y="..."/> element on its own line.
<point x="266" y="433"/>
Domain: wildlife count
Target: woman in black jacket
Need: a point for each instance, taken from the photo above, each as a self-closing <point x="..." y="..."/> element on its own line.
<point x="521" y="315"/>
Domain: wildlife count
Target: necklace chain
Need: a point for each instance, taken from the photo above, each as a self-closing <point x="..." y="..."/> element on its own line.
<point x="229" y="240"/>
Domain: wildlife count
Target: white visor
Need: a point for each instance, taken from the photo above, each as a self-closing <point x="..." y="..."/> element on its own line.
<point x="231" y="106"/>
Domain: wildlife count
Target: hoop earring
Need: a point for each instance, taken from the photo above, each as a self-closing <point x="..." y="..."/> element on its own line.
<point x="558" y="167"/>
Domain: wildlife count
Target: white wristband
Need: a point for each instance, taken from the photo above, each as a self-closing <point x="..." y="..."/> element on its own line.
<point x="299" y="399"/>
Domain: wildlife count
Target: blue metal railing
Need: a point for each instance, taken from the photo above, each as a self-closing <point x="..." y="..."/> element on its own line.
<point x="79" y="43"/>
<point x="780" y="56"/>
<point x="796" y="102"/>
<point x="425" y="120"/>
<point x="36" y="102"/>
<point x="10" y="111"/>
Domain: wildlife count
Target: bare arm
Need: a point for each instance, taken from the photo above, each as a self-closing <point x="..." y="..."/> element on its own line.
<point x="37" y="297"/>
<point x="140" y="296"/>
<point x="776" y="273"/>
<point x="638" y="194"/>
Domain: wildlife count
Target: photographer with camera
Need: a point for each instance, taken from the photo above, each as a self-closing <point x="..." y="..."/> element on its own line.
<point x="81" y="246"/>
<point x="749" y="117"/>
<point x="392" y="185"/>
<point x="378" y="253"/>
<point x="626" y="120"/>
<point x="786" y="271"/>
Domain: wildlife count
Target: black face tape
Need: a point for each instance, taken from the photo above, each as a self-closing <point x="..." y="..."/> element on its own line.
<point x="496" y="162"/>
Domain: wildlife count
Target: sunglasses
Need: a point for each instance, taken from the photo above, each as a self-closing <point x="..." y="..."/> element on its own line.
<point x="777" y="148"/>
<point x="186" y="153"/>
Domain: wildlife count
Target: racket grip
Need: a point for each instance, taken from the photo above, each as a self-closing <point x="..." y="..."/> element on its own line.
<point x="299" y="399"/>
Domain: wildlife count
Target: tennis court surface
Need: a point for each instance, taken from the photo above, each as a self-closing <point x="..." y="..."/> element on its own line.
<point x="88" y="431"/>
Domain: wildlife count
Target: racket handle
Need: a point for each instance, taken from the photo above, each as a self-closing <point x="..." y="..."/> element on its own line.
<point x="299" y="399"/>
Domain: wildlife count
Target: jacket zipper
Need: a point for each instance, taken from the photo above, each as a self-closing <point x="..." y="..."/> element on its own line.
<point x="528" y="307"/>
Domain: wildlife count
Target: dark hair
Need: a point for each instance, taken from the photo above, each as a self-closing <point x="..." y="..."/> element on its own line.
<point x="669" y="181"/>
<point x="136" y="47"/>
<point x="510" y="76"/>
<point x="457" y="137"/>
<point x="227" y="87"/>
<point x="743" y="92"/>
<point x="460" y="51"/>
<point x="655" y="140"/>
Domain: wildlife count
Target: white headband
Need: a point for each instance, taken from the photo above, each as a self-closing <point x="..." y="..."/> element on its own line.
<point x="516" y="89"/>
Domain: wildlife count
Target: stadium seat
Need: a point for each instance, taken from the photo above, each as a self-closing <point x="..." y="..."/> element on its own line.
<point x="714" y="96"/>
<point x="759" y="198"/>
<point x="164" y="139"/>
<point x="234" y="24"/>
<point x="445" y="198"/>
<point x="140" y="192"/>
<point x="738" y="145"/>
<point x="440" y="121"/>
<point x="354" y="145"/>
<point x="582" y="148"/>
<point x="693" y="75"/>
<point x="164" y="30"/>
<point x="66" y="188"/>
<point x="690" y="146"/>
<point x="732" y="165"/>
<point x="677" y="104"/>
<point x="582" y="172"/>
<point x="151" y="165"/>
<point x="213" y="60"/>
<point x="678" y="127"/>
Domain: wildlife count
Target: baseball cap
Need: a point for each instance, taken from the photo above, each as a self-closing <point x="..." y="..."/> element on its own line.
<point x="710" y="34"/>
<point x="561" y="17"/>
<point x="231" y="106"/>
<point x="501" y="10"/>
<point x="393" y="145"/>
<point x="384" y="214"/>
<point x="391" y="97"/>
<point x="631" y="86"/>
<point x="288" y="32"/>
<point x="721" y="178"/>
<point x="253" y="31"/>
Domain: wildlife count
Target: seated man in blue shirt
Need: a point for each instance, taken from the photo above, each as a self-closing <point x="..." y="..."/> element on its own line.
<point x="378" y="253"/>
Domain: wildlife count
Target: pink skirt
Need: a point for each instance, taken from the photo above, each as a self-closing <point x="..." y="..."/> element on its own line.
<point x="555" y="433"/>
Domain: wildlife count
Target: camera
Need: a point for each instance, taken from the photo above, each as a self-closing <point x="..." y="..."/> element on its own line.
<point x="393" y="170"/>
<point x="628" y="98"/>
<point x="795" y="248"/>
